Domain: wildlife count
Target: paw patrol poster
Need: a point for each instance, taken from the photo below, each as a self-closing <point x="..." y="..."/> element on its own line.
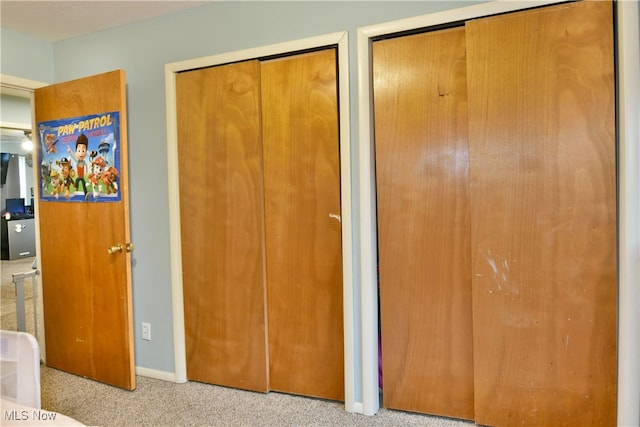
<point x="80" y="159"/>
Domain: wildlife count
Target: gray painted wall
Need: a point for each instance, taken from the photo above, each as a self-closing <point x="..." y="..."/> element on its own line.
<point x="15" y="109"/>
<point x="26" y="57"/>
<point x="142" y="50"/>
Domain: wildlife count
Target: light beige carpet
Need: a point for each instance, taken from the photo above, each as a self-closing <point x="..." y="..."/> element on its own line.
<point x="162" y="403"/>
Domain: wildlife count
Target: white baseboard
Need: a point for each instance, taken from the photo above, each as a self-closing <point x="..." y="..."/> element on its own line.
<point x="358" y="408"/>
<point x="154" y="373"/>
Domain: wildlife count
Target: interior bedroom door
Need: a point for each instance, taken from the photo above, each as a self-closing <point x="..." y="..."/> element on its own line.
<point x="85" y="251"/>
<point x="422" y="168"/>
<point x="260" y="224"/>
<point x="542" y="148"/>
<point x="222" y="225"/>
<point x="525" y="288"/>
<point x="303" y="227"/>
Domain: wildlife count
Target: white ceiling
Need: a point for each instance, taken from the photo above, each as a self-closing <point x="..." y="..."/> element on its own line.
<point x="58" y="20"/>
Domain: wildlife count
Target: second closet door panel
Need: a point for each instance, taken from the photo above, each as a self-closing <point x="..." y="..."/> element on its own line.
<point x="222" y="225"/>
<point x="543" y="212"/>
<point x="303" y="229"/>
<point x="420" y="101"/>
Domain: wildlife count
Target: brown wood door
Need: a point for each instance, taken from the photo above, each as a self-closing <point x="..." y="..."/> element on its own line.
<point x="242" y="240"/>
<point x="543" y="213"/>
<point x="303" y="229"/>
<point x="222" y="225"/>
<point x="422" y="173"/>
<point x="86" y="290"/>
<point x="542" y="216"/>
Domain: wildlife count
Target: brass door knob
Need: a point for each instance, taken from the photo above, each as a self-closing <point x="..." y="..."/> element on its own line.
<point x="115" y="249"/>
<point x="129" y="247"/>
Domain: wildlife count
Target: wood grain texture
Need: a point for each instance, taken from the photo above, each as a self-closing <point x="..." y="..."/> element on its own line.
<point x="303" y="231"/>
<point x="422" y="173"/>
<point x="222" y="225"/>
<point x="86" y="291"/>
<point x="543" y="212"/>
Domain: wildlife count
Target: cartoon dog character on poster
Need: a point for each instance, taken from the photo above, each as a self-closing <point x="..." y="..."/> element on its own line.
<point x="67" y="175"/>
<point x="45" y="175"/>
<point x="50" y="141"/>
<point x="109" y="178"/>
<point x="56" y="183"/>
<point x="97" y="166"/>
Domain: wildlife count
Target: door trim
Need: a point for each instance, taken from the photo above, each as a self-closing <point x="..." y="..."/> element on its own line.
<point x="628" y="70"/>
<point x="627" y="32"/>
<point x="339" y="39"/>
<point x="23" y="88"/>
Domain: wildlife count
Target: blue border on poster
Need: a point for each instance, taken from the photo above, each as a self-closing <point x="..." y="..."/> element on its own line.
<point x="80" y="158"/>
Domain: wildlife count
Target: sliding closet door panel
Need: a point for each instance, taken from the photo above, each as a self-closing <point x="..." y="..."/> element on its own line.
<point x="303" y="230"/>
<point x="543" y="214"/>
<point x="222" y="225"/>
<point x="420" y="102"/>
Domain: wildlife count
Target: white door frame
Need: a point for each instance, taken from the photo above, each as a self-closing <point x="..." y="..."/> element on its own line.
<point x="628" y="201"/>
<point x="339" y="39"/>
<point x="23" y="88"/>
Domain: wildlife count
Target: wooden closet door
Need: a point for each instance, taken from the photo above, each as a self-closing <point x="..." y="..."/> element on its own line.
<point x="543" y="214"/>
<point x="222" y="225"/>
<point x="303" y="230"/>
<point x="420" y="102"/>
